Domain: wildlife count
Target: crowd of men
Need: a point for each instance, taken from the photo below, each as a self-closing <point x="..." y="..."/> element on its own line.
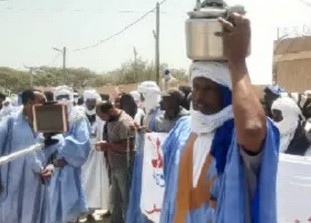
<point x="220" y="156"/>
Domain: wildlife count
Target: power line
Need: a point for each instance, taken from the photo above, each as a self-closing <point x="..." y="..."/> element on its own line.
<point x="119" y="32"/>
<point x="72" y="11"/>
<point x="52" y="63"/>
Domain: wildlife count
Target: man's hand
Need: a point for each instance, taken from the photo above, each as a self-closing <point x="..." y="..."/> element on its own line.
<point x="60" y="163"/>
<point x="249" y="116"/>
<point x="236" y="38"/>
<point x="142" y="129"/>
<point x="46" y="172"/>
<point x="102" y="146"/>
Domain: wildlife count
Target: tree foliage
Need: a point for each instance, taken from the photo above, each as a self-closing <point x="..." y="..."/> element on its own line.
<point x="129" y="72"/>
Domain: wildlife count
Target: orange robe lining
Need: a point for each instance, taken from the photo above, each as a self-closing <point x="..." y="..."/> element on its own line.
<point x="189" y="198"/>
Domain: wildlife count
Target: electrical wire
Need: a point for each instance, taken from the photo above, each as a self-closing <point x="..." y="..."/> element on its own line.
<point x="54" y="59"/>
<point x="119" y="32"/>
<point x="71" y="11"/>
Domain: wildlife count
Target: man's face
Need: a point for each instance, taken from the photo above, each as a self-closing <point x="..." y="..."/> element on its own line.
<point x="38" y="100"/>
<point x="90" y="104"/>
<point x="103" y="116"/>
<point x="117" y="102"/>
<point x="168" y="103"/>
<point x="206" y="96"/>
<point x="7" y="103"/>
<point x="269" y="98"/>
<point x="277" y="115"/>
<point x="63" y="97"/>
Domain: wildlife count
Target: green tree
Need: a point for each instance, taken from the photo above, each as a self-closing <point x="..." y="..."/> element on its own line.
<point x="129" y="72"/>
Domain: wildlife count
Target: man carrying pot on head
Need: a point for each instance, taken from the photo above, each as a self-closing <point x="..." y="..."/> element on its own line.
<point x="227" y="171"/>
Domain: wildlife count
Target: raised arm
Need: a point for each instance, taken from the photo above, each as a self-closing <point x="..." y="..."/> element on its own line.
<point x="249" y="116"/>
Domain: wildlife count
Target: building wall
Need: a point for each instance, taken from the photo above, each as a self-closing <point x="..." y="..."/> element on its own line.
<point x="295" y="75"/>
<point x="292" y="64"/>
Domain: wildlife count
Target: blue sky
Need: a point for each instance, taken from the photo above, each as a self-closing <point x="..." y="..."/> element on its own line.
<point x="30" y="28"/>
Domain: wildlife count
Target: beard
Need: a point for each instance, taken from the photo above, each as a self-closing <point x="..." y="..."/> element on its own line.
<point x="90" y="112"/>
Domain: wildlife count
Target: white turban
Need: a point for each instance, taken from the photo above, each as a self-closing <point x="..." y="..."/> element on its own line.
<point x="62" y="91"/>
<point x="148" y="87"/>
<point x="308" y="93"/>
<point x="151" y="93"/>
<point x="219" y="73"/>
<point x="65" y="91"/>
<point x="7" y="101"/>
<point x="91" y="94"/>
<point x="291" y="117"/>
<point x="287" y="106"/>
<point x="205" y="125"/>
<point x="216" y="71"/>
<point x="135" y="95"/>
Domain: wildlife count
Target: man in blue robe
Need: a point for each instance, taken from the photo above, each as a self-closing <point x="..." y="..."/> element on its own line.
<point x="23" y="187"/>
<point x="172" y="112"/>
<point x="67" y="198"/>
<point x="150" y="93"/>
<point x="172" y="148"/>
<point x="227" y="169"/>
<point x="150" y="97"/>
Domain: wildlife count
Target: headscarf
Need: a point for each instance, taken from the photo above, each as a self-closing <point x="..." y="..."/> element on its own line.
<point x="291" y="117"/>
<point x="76" y="97"/>
<point x="205" y="125"/>
<point x="64" y="91"/>
<point x="136" y="96"/>
<point x="275" y="89"/>
<point x="91" y="95"/>
<point x="15" y="101"/>
<point x="6" y="107"/>
<point x="151" y="93"/>
<point x="7" y="101"/>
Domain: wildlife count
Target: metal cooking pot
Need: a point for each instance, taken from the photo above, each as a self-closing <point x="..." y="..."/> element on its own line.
<point x="201" y="41"/>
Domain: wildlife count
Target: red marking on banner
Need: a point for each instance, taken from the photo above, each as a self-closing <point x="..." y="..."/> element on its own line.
<point x="158" y="162"/>
<point x="154" y="210"/>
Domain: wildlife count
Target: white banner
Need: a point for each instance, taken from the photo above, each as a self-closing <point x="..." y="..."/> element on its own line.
<point x="293" y="185"/>
<point x="152" y="176"/>
<point x="294" y="189"/>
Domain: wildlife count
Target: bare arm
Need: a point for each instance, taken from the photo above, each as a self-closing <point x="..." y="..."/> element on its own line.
<point x="249" y="116"/>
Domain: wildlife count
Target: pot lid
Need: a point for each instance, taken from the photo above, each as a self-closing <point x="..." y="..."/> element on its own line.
<point x="208" y="12"/>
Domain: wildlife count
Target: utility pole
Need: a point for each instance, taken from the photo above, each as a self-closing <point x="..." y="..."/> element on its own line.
<point x="64" y="53"/>
<point x="64" y="57"/>
<point x="31" y="76"/>
<point x="31" y="70"/>
<point x="135" y="63"/>
<point x="157" y="37"/>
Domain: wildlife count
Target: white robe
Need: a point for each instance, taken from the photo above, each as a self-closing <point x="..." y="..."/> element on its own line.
<point x="95" y="174"/>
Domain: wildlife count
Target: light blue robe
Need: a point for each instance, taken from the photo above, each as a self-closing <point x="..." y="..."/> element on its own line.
<point x="24" y="198"/>
<point x="263" y="206"/>
<point x="173" y="145"/>
<point x="67" y="196"/>
<point x="229" y="187"/>
<point x="134" y="214"/>
<point x="172" y="149"/>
